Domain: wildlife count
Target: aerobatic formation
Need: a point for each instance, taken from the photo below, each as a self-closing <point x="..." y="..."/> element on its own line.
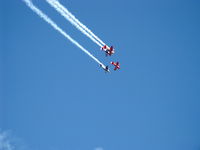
<point x="109" y="51"/>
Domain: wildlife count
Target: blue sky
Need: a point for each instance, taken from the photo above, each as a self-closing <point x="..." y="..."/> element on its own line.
<point x="53" y="96"/>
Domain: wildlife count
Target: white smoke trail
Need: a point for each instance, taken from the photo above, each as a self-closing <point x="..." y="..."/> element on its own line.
<point x="56" y="27"/>
<point x="98" y="148"/>
<point x="66" y="16"/>
<point x="5" y="143"/>
<point x="56" y="2"/>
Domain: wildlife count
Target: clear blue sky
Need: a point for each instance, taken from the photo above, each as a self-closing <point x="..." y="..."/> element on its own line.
<point x="54" y="97"/>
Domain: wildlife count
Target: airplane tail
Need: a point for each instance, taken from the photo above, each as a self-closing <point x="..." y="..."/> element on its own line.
<point x="104" y="47"/>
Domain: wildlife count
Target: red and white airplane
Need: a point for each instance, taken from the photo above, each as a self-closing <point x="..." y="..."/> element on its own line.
<point x="117" y="65"/>
<point x="109" y="50"/>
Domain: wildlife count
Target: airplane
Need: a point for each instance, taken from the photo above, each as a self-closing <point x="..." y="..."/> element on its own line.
<point x="109" y="50"/>
<point x="117" y="65"/>
<point x="105" y="68"/>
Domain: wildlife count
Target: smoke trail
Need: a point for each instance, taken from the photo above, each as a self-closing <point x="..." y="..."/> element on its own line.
<point x="55" y="26"/>
<point x="66" y="16"/>
<point x="5" y="143"/>
<point x="56" y="2"/>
